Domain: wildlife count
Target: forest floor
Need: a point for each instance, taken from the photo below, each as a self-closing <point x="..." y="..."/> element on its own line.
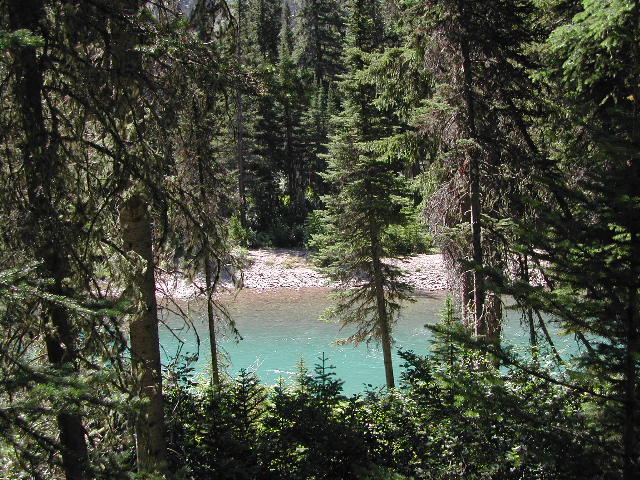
<point x="268" y="269"/>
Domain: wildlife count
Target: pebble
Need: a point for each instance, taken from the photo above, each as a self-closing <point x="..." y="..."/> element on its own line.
<point x="287" y="268"/>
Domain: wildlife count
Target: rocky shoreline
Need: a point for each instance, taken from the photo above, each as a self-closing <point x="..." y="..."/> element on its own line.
<point x="269" y="269"/>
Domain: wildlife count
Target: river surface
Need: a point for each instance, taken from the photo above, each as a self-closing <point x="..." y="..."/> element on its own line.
<point x="281" y="327"/>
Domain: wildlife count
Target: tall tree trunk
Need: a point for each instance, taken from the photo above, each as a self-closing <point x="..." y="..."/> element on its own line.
<point x="474" y="179"/>
<point x="239" y="123"/>
<point x="209" y="284"/>
<point x="632" y="326"/>
<point x="200" y="16"/>
<point x="466" y="276"/>
<point x="383" y="317"/>
<point x="47" y="234"/>
<point x="493" y="317"/>
<point x="137" y="237"/>
<point x="145" y="349"/>
<point x="533" y="337"/>
<point x="213" y="345"/>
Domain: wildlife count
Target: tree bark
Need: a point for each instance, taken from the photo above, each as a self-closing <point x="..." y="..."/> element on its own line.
<point x="200" y="15"/>
<point x="383" y="317"/>
<point x="239" y="123"/>
<point x="474" y="179"/>
<point x="632" y="327"/>
<point x="492" y="317"/>
<point x="213" y="345"/>
<point x="137" y="237"/>
<point x="145" y="349"/>
<point x="466" y="275"/>
<point x="533" y="337"/>
<point x="47" y="236"/>
<point x="209" y="284"/>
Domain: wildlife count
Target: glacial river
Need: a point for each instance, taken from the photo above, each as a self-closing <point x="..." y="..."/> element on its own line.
<point x="281" y="327"/>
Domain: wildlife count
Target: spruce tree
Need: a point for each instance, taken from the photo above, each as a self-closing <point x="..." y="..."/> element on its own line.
<point x="136" y="225"/>
<point x="585" y="245"/>
<point x="291" y="102"/>
<point x="315" y="135"/>
<point x="47" y="240"/>
<point x="368" y="196"/>
<point x="319" y="37"/>
<point x="475" y="53"/>
<point x="239" y="124"/>
<point x="266" y="26"/>
<point x="198" y="139"/>
<point x="257" y="125"/>
<point x="110" y="122"/>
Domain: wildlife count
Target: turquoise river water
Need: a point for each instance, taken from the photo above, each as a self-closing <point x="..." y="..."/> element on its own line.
<point x="279" y="327"/>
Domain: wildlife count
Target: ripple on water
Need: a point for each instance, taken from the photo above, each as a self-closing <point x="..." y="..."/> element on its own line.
<point x="279" y="327"/>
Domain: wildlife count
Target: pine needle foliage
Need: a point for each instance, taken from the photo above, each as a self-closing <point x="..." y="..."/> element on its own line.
<point x="369" y="194"/>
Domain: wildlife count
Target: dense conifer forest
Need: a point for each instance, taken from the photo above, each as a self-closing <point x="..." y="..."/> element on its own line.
<point x="141" y="139"/>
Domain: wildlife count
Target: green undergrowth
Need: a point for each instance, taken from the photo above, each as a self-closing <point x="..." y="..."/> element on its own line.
<point x="454" y="417"/>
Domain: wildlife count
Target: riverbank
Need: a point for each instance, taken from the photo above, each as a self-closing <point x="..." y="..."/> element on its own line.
<point x="269" y="269"/>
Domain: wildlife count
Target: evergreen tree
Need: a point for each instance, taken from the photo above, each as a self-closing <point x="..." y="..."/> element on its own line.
<point x="239" y="125"/>
<point x="265" y="162"/>
<point x="292" y="101"/>
<point x="137" y="238"/>
<point x="109" y="137"/>
<point x="46" y="237"/>
<point x="319" y="38"/>
<point x="258" y="124"/>
<point x="369" y="195"/>
<point x="138" y="115"/>
<point x="196" y="141"/>
<point x="585" y="244"/>
<point x="315" y="133"/>
<point x="266" y="26"/>
<point x="475" y="52"/>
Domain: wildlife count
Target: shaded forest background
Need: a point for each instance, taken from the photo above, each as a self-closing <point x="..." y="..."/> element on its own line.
<point x="162" y="138"/>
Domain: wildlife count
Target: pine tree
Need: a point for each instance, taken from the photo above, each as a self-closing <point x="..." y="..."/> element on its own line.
<point x="368" y="196"/>
<point x="239" y="124"/>
<point x="196" y="141"/>
<point x="291" y="103"/>
<point x="258" y="125"/>
<point x="319" y="38"/>
<point x="47" y="242"/>
<point x="137" y="237"/>
<point x="266" y="25"/>
<point x="475" y="52"/>
<point x="586" y="241"/>
<point x="315" y="135"/>
<point x="110" y="125"/>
